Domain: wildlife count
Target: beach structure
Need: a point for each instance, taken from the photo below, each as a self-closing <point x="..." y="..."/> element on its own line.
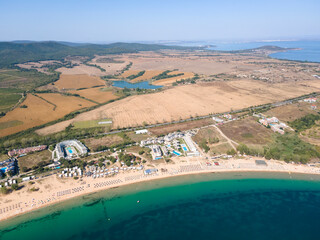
<point x="23" y="151"/>
<point x="150" y="171"/>
<point x="69" y="149"/>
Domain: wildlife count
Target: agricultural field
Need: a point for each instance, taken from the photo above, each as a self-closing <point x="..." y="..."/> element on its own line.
<point x="40" y="110"/>
<point x="96" y="94"/>
<point x="93" y="143"/>
<point x="112" y="65"/>
<point x="78" y="81"/>
<point x="33" y="159"/>
<point x="170" y="80"/>
<point x="92" y="124"/>
<point x="182" y="102"/>
<point x="147" y="75"/>
<point x="9" y="97"/>
<point x="291" y="112"/>
<point x="247" y="131"/>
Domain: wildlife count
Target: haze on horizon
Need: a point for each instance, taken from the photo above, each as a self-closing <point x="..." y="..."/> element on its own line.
<point x="142" y="20"/>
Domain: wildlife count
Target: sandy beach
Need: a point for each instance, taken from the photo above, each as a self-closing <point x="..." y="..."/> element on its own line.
<point x="53" y="189"/>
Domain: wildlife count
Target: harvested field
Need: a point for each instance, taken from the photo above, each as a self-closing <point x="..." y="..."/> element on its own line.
<point x="41" y="111"/>
<point x="147" y="75"/>
<point x="96" y="94"/>
<point x="188" y="100"/>
<point x="291" y="112"/>
<point x="169" y="81"/>
<point x="247" y="131"/>
<point x="180" y="126"/>
<point x="81" y="70"/>
<point x="78" y="81"/>
<point x="33" y="159"/>
<point x="113" y="66"/>
<point x="93" y="143"/>
<point x="129" y="73"/>
<point x="137" y="137"/>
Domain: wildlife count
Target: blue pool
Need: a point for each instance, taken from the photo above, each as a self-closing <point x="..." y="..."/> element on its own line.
<point x="141" y="85"/>
<point x="185" y="149"/>
<point x="176" y="153"/>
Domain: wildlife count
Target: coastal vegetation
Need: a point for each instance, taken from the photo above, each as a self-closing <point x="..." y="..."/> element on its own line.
<point x="305" y="122"/>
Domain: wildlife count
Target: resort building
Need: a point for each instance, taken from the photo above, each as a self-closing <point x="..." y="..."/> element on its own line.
<point x="193" y="150"/>
<point x="69" y="149"/>
<point x="218" y="120"/>
<point x="24" y="151"/>
<point x="8" y="165"/>
<point x="156" y="152"/>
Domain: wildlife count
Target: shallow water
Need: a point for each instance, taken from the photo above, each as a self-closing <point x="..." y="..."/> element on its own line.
<point x="141" y="85"/>
<point x="245" y="206"/>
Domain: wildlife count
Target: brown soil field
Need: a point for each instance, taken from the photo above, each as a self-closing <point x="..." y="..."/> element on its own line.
<point x="180" y="126"/>
<point x="39" y="111"/>
<point x="169" y="81"/>
<point x="78" y="81"/>
<point x="247" y="131"/>
<point x="182" y="101"/>
<point x="93" y="143"/>
<point x="96" y="94"/>
<point x="34" y="158"/>
<point x="291" y="112"/>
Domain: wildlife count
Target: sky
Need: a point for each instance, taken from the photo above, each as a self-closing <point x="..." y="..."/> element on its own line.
<point x="153" y="20"/>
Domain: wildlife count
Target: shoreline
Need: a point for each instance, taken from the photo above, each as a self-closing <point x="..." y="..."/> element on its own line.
<point x="67" y="189"/>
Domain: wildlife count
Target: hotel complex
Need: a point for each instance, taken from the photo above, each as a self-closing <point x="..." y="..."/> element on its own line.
<point x="69" y="149"/>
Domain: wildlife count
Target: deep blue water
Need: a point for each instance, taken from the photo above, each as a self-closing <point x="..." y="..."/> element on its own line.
<point x="310" y="50"/>
<point x="257" y="209"/>
<point x="141" y="85"/>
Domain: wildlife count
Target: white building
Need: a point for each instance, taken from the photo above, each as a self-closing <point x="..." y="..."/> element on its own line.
<point x="142" y="131"/>
<point x="66" y="149"/>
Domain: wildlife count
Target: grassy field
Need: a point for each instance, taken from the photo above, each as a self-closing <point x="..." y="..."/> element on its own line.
<point x="25" y="80"/>
<point x="8" y="98"/>
<point x="181" y="126"/>
<point x="33" y="159"/>
<point x="291" y="112"/>
<point x="78" y="81"/>
<point x="247" y="131"/>
<point x="220" y="148"/>
<point x="96" y="94"/>
<point x="91" y="124"/>
<point x="209" y="134"/>
<point x="93" y="143"/>
<point x="39" y="111"/>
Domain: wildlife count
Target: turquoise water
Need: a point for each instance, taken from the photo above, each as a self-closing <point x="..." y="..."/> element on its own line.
<point x="141" y="85"/>
<point x="192" y="207"/>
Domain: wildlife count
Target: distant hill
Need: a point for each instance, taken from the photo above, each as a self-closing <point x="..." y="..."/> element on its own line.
<point x="25" y="51"/>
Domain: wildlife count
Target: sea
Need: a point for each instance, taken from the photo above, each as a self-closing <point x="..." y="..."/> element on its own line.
<point x="308" y="50"/>
<point x="257" y="206"/>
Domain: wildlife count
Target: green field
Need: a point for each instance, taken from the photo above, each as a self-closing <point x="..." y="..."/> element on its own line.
<point x="8" y="98"/>
<point x="26" y="80"/>
<point x="91" y="124"/>
<point x="13" y="123"/>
